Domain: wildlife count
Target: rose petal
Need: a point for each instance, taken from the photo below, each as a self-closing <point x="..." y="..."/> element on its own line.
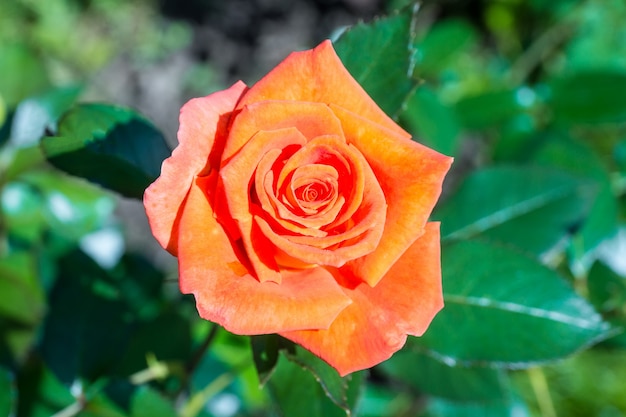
<point x="236" y="177"/>
<point x="410" y="175"/>
<point x="275" y="209"/>
<point x="226" y="294"/>
<point x="311" y="119"/>
<point x="354" y="240"/>
<point x="350" y="165"/>
<point x="376" y="324"/>
<point x="318" y="75"/>
<point x="203" y="124"/>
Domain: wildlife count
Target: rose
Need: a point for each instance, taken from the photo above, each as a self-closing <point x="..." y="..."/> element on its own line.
<point x="298" y="207"/>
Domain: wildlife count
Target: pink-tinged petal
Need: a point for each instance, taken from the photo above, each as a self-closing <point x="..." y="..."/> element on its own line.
<point x="228" y="295"/>
<point x="318" y="75"/>
<point x="410" y="175"/>
<point x="203" y="129"/>
<point x="236" y="177"/>
<point x="379" y="319"/>
<point x="311" y="119"/>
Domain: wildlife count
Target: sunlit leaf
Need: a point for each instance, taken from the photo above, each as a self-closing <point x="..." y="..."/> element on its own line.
<point x="530" y="207"/>
<point x="111" y="146"/>
<point x="505" y="309"/>
<point x="379" y="56"/>
<point x="36" y="114"/>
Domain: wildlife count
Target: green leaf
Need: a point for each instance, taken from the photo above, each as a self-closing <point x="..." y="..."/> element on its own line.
<point x="607" y="292"/>
<point x="560" y="151"/>
<point x="148" y="340"/>
<point x="22" y="306"/>
<point x="378" y="400"/>
<point x="88" y="327"/>
<point x="41" y="394"/>
<point x="22" y="73"/>
<point x="20" y="160"/>
<point x="265" y="350"/>
<point x="72" y="207"/>
<point x="516" y="139"/>
<point x="140" y="284"/>
<point x="619" y="155"/>
<point x="111" y="146"/>
<point x="589" y="97"/>
<point x="433" y="123"/>
<point x="305" y="382"/>
<point x="379" y="57"/>
<point x="530" y="207"/>
<point x="21" y="296"/>
<point x="20" y="205"/>
<point x="428" y="375"/>
<point x="148" y="403"/>
<point x="7" y="393"/>
<point x="438" y="407"/>
<point x="36" y="114"/>
<point x="507" y="310"/>
<point x="493" y="107"/>
<point x="340" y="390"/>
<point x="442" y="44"/>
<point x="6" y="119"/>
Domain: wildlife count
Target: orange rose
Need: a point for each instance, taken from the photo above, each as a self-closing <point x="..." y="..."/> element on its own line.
<point x="298" y="207"/>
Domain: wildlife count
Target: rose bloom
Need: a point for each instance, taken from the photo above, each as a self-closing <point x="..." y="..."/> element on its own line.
<point x="298" y="207"/>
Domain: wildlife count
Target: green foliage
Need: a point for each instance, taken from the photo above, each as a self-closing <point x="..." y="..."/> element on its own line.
<point x="530" y="99"/>
<point x="385" y="72"/>
<point x="501" y="203"/>
<point x="109" y="145"/>
<point x="479" y="305"/>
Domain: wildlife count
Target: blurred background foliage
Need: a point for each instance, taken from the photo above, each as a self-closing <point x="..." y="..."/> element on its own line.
<point x="529" y="96"/>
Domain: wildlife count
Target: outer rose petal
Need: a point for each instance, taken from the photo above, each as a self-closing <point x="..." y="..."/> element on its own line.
<point x="228" y="295"/>
<point x="203" y="125"/>
<point x="411" y="176"/>
<point x="376" y="324"/>
<point x="318" y="75"/>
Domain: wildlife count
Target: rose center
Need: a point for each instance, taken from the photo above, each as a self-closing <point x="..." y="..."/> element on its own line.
<point x="313" y="187"/>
